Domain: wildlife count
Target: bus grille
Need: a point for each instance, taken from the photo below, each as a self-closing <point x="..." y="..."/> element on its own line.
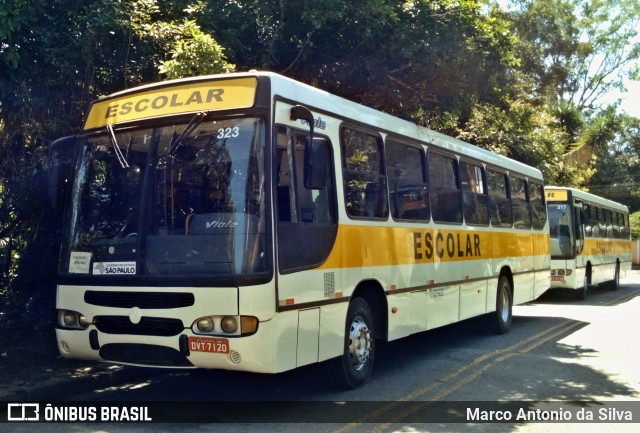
<point x="144" y="354"/>
<point x="157" y="326"/>
<point x="144" y="300"/>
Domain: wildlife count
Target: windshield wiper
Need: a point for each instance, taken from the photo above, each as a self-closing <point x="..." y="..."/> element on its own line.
<point x="191" y="126"/>
<point x="116" y="149"/>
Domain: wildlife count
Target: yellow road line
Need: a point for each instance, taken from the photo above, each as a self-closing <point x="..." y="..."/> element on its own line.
<point x="500" y="356"/>
<point x="474" y="376"/>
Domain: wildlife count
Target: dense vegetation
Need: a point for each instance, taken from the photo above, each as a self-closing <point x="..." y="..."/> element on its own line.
<point x="524" y="78"/>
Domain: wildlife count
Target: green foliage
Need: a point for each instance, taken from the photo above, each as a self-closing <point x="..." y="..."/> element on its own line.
<point x="618" y="168"/>
<point x="400" y="57"/>
<point x="524" y="132"/>
<point x="55" y="57"/>
<point x="182" y="48"/>
<point x="578" y="50"/>
<point x="194" y="53"/>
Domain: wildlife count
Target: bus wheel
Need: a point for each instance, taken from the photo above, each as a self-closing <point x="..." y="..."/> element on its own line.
<point x="501" y="319"/>
<point x="359" y="344"/>
<point x="615" y="284"/>
<point x="581" y="293"/>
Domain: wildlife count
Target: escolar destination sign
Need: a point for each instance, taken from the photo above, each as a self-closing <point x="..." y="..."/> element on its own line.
<point x="181" y="98"/>
<point x="557" y="194"/>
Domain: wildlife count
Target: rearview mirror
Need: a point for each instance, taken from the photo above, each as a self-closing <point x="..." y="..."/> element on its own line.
<point x="316" y="163"/>
<point x="303" y="113"/>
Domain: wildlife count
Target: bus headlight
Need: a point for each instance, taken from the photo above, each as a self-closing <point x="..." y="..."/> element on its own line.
<point x="225" y="325"/>
<point x="229" y="324"/>
<point x="205" y="324"/>
<point x="70" y="319"/>
<point x="83" y="321"/>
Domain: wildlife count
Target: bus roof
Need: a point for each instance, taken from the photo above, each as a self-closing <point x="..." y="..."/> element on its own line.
<point x="587" y="196"/>
<point x="324" y="102"/>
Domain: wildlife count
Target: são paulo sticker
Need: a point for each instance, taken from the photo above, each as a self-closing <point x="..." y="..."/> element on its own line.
<point x="114" y="268"/>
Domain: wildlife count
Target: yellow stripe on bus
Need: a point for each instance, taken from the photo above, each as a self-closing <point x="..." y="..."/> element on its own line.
<point x="598" y="247"/>
<point x="363" y="246"/>
<point x="185" y="98"/>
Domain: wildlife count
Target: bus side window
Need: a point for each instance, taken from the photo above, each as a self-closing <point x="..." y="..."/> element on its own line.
<point x="409" y="198"/>
<point x="520" y="203"/>
<point x="616" y="224"/>
<point x="365" y="185"/>
<point x="446" y="203"/>
<point x="475" y="201"/>
<point x="586" y="220"/>
<point x="623" y="226"/>
<point x="602" y="223"/>
<point x="538" y="207"/>
<point x="609" y="215"/>
<point x="499" y="199"/>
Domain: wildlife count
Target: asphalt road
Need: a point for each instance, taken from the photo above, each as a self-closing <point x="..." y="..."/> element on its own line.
<point x="559" y="350"/>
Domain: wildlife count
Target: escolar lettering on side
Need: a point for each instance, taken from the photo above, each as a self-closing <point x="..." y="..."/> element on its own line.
<point x="445" y="245"/>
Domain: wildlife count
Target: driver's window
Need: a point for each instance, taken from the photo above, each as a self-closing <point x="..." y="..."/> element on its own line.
<point x="304" y="214"/>
<point x="297" y="204"/>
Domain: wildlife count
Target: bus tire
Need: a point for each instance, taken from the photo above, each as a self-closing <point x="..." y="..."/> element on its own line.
<point x="615" y="283"/>
<point x="581" y="293"/>
<point x="356" y="361"/>
<point x="501" y="319"/>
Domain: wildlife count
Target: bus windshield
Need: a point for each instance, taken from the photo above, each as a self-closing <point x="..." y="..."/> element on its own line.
<point x="179" y="199"/>
<point x="560" y="229"/>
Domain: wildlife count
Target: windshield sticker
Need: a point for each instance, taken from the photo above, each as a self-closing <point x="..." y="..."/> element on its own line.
<point x="79" y="263"/>
<point x="114" y="268"/>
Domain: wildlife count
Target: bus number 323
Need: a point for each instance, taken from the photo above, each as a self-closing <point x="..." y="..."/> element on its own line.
<point x="228" y="132"/>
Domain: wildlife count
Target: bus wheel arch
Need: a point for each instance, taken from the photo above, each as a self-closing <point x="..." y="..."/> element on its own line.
<point x="373" y="293"/>
<point x="506" y="272"/>
<point x="365" y="322"/>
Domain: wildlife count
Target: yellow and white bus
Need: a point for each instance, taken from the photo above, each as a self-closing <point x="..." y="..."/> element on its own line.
<point x="590" y="239"/>
<point x="251" y="222"/>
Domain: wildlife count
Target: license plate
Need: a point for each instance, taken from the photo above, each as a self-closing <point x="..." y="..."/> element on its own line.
<point x="557" y="278"/>
<point x="209" y="344"/>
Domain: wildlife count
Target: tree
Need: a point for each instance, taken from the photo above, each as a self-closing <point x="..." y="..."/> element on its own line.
<point x="405" y="58"/>
<point x="578" y="50"/>
<point x="527" y="133"/>
<point x="181" y="47"/>
<point x="618" y="169"/>
<point x="572" y="53"/>
<point x="55" y="57"/>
